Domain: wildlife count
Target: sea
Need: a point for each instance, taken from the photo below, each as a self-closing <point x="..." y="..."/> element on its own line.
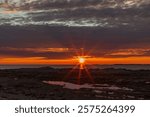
<point x="115" y="66"/>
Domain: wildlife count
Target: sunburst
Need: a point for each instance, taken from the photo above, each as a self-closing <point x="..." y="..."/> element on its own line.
<point x="81" y="61"/>
<point x="81" y="66"/>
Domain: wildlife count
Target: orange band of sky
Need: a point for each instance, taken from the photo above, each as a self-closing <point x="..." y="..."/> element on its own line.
<point x="42" y="60"/>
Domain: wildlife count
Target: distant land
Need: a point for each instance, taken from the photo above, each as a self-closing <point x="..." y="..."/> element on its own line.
<point x="117" y="66"/>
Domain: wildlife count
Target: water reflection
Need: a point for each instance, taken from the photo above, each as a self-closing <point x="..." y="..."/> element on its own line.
<point x="96" y="87"/>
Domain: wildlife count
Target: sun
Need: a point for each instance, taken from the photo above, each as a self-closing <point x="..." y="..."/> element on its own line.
<point x="81" y="60"/>
<point x="81" y="66"/>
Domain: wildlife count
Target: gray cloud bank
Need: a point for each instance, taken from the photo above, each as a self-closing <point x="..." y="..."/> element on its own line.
<point x="76" y="13"/>
<point x="106" y="25"/>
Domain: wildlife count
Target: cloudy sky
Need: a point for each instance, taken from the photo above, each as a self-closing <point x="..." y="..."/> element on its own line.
<point x="49" y="31"/>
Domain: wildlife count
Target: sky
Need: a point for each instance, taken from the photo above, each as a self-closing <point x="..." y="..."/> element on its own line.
<point x="55" y="31"/>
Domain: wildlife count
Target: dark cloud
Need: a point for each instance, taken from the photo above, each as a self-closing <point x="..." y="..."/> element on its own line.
<point x="103" y="25"/>
<point x="78" y="13"/>
<point x="46" y="4"/>
<point x="101" y="40"/>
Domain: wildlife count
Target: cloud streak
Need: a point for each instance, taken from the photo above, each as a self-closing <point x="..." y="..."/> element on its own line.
<point x="77" y="13"/>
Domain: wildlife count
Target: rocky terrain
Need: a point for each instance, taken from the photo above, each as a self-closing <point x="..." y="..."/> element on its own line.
<point x="47" y="83"/>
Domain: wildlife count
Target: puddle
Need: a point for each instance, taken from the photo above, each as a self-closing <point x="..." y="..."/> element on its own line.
<point x="147" y="82"/>
<point x="68" y="85"/>
<point x="97" y="87"/>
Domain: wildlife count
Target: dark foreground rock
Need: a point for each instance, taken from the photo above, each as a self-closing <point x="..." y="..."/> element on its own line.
<point x="27" y="84"/>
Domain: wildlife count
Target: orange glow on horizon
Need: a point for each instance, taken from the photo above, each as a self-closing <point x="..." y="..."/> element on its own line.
<point x="43" y="60"/>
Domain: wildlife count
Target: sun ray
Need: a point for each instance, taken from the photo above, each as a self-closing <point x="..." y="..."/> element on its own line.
<point x="89" y="74"/>
<point x="76" y="66"/>
<point x="81" y="67"/>
<point x="79" y="75"/>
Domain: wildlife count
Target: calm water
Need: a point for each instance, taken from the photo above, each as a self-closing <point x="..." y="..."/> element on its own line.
<point x="68" y="85"/>
<point x="131" y="67"/>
